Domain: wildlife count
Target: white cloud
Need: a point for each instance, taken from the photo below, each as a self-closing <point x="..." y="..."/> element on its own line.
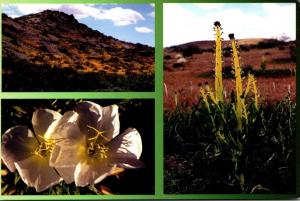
<point x="143" y="30"/>
<point x="119" y="16"/>
<point x="152" y="14"/>
<point x="152" y="4"/>
<point x="209" y="6"/>
<point x="182" y="25"/>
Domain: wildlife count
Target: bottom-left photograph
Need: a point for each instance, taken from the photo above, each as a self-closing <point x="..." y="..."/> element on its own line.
<point x="77" y="147"/>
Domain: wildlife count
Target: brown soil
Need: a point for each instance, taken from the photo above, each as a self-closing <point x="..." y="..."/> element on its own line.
<point x="183" y="82"/>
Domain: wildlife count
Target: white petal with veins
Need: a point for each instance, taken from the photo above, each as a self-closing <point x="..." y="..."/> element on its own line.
<point x="36" y="172"/>
<point x="18" y="143"/>
<point x="67" y="173"/>
<point x="126" y="149"/>
<point x="90" y="114"/>
<point x="128" y="142"/>
<point x="42" y="119"/>
<point x="91" y="172"/>
<point x="110" y="122"/>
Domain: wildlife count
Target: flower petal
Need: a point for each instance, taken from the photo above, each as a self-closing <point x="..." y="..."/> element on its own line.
<point x="126" y="160"/>
<point x="67" y="174"/>
<point x="65" y="128"/>
<point x="67" y="155"/>
<point x="110" y="121"/>
<point x="18" y="143"/>
<point x="36" y="172"/>
<point x="90" y="114"/>
<point x="64" y="160"/>
<point x="42" y="119"/>
<point x="126" y="149"/>
<point x="91" y="172"/>
<point x="68" y="138"/>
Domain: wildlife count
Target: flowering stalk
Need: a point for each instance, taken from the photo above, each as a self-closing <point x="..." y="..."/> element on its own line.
<point x="218" y="63"/>
<point x="252" y="82"/>
<point x="238" y="83"/>
<point x="255" y="92"/>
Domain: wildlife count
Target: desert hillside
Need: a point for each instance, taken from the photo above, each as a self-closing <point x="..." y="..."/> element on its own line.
<point x="58" y="39"/>
<point x="55" y="40"/>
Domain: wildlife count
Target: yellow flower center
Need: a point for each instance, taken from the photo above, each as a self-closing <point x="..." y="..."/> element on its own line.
<point x="96" y="145"/>
<point x="45" y="148"/>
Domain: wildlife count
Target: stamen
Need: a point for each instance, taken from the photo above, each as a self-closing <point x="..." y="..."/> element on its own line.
<point x="98" y="133"/>
<point x="46" y="146"/>
<point x="44" y="149"/>
<point x="95" y="146"/>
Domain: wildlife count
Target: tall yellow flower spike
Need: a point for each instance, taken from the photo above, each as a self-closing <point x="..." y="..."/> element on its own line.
<point x="255" y="92"/>
<point x="240" y="105"/>
<point x="218" y="63"/>
<point x="252" y="82"/>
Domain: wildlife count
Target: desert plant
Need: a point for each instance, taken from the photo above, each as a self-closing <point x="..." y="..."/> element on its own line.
<point x="239" y="135"/>
<point x="190" y="50"/>
<point x="218" y="63"/>
<point x="231" y="142"/>
<point x="263" y="63"/>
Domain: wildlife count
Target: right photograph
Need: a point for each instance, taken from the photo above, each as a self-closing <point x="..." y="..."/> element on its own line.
<point x="229" y="98"/>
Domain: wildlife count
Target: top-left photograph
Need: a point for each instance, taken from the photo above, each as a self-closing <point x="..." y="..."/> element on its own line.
<point x="78" y="47"/>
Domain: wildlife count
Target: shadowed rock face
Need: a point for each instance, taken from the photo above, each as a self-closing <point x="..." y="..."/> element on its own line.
<point x="56" y="39"/>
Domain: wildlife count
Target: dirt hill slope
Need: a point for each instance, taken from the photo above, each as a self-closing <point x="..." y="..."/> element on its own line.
<point x="59" y="40"/>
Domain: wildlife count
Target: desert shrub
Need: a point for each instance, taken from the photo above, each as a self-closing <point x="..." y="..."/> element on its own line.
<point x="63" y="50"/>
<point x="247" y="69"/>
<point x="209" y="50"/>
<point x="178" y="65"/>
<point x="273" y="73"/>
<point x="14" y="41"/>
<point x="167" y="57"/>
<point x="268" y="73"/>
<point x="146" y="53"/>
<point x="271" y="43"/>
<point x="227" y="52"/>
<point x="283" y="60"/>
<point x="245" y="48"/>
<point x="292" y="50"/>
<point x="190" y="50"/>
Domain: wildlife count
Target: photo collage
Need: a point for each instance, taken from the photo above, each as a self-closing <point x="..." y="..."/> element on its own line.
<point x="149" y="100"/>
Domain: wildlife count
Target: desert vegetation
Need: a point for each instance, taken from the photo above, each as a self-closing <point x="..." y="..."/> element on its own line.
<point x="62" y="54"/>
<point x="230" y="141"/>
<point x="24" y="76"/>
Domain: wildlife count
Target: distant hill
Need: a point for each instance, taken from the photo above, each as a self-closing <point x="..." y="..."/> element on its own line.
<point x="251" y="49"/>
<point x="206" y="44"/>
<point x="53" y="39"/>
<point x="271" y="61"/>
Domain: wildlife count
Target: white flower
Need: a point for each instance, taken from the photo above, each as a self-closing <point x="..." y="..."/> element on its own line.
<point x="29" y="152"/>
<point x="101" y="148"/>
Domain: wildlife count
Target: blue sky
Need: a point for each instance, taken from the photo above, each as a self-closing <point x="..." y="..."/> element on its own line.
<point x="187" y="22"/>
<point x="128" y="22"/>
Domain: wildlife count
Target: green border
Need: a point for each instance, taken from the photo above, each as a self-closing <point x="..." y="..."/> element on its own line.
<point x="158" y="96"/>
<point x="149" y="197"/>
<point x="78" y="95"/>
<point x="298" y="101"/>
